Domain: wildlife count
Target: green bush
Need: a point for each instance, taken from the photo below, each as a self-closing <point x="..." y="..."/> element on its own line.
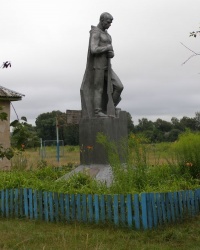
<point x="187" y="153"/>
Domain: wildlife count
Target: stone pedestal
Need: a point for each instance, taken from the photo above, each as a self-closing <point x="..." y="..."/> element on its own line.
<point x="115" y="129"/>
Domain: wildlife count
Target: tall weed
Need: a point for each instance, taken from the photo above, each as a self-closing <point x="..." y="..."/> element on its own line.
<point x="130" y="174"/>
<point x="187" y="153"/>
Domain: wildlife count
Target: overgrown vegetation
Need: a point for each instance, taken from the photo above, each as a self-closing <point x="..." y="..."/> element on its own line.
<point x="138" y="174"/>
<point x="147" y="168"/>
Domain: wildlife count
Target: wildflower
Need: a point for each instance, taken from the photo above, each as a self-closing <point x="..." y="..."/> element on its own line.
<point x="189" y="164"/>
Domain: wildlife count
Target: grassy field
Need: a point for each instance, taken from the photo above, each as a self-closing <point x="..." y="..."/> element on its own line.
<point x="32" y="158"/>
<point x="31" y="235"/>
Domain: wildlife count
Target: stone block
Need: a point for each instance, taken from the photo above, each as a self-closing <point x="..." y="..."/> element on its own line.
<point x="115" y="128"/>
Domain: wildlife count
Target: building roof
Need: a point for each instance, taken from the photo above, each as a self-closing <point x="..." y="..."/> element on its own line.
<point x="9" y="95"/>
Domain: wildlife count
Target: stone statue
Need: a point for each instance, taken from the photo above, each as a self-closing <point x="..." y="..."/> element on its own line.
<point x="100" y="83"/>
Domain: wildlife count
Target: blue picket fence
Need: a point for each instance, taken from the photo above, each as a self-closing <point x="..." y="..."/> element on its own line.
<point x="144" y="211"/>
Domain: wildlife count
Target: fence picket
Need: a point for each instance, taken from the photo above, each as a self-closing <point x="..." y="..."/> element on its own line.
<point x="102" y="208"/>
<point x="25" y="202"/>
<point x="177" y="214"/>
<point x="136" y="211"/>
<point x="154" y="209"/>
<point x="129" y="210"/>
<point x="50" y="203"/>
<point x="163" y="207"/>
<point x="184" y="202"/>
<point x="96" y="208"/>
<point x="40" y="199"/>
<point x="67" y="207"/>
<point x="159" y="209"/>
<point x="109" y="207"/>
<point x="11" y="202"/>
<point x="35" y="206"/>
<point x="171" y="202"/>
<point x="56" y="214"/>
<point x="187" y="201"/>
<point x="116" y="212"/>
<point x="168" y="208"/>
<point x="191" y="197"/>
<point x="84" y="208"/>
<point x="78" y="205"/>
<point x="90" y="208"/>
<point x="180" y="204"/>
<point x="196" y="201"/>
<point x="46" y="215"/>
<point x="122" y="210"/>
<point x="144" y="210"/>
<point x="72" y="207"/>
<point x="7" y="202"/>
<point x="30" y="202"/>
<point x="16" y="202"/>
<point x="2" y="203"/>
<point x="61" y="204"/>
<point x="149" y="211"/>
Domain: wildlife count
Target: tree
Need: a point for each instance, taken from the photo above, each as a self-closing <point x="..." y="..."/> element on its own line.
<point x="188" y="123"/>
<point x="24" y="135"/>
<point x="46" y="125"/>
<point x="162" y="125"/>
<point x="144" y="124"/>
<point x="46" y="128"/>
<point x="130" y="123"/>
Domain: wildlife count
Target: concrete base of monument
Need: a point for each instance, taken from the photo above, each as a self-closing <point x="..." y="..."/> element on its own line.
<point x="114" y="128"/>
<point x="100" y="172"/>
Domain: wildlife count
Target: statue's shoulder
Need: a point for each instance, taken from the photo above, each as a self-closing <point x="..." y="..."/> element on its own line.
<point x="94" y="29"/>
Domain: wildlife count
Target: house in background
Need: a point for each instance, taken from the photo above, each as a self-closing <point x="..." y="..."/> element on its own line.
<point x="6" y="97"/>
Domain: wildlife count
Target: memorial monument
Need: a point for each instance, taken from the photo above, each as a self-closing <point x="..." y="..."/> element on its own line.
<point x="100" y="94"/>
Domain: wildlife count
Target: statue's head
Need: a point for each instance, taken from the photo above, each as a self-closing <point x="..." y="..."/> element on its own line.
<point x="106" y="20"/>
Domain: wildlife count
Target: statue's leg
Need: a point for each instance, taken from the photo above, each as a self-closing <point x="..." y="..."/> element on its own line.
<point x="98" y="91"/>
<point x="117" y="88"/>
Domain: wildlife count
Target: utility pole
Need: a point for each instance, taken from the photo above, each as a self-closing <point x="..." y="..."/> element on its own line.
<point x="57" y="140"/>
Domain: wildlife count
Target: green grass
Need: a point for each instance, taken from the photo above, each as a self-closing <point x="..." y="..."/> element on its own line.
<point x="32" y="235"/>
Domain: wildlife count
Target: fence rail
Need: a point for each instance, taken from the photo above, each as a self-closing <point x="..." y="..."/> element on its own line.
<point x="144" y="211"/>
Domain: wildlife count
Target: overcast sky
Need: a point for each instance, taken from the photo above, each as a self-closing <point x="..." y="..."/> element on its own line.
<point x="47" y="41"/>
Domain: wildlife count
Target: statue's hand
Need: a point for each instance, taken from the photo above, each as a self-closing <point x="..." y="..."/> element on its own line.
<point x="110" y="54"/>
<point x="109" y="47"/>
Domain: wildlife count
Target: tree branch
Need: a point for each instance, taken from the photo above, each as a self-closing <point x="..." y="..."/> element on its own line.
<point x="195" y="53"/>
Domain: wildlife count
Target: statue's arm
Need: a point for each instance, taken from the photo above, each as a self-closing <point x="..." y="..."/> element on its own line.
<point x="94" y="45"/>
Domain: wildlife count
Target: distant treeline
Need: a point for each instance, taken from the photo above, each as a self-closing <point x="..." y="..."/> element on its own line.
<point x="164" y="131"/>
<point x="158" y="131"/>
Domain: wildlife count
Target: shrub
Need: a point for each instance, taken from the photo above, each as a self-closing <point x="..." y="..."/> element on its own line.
<point x="187" y="153"/>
